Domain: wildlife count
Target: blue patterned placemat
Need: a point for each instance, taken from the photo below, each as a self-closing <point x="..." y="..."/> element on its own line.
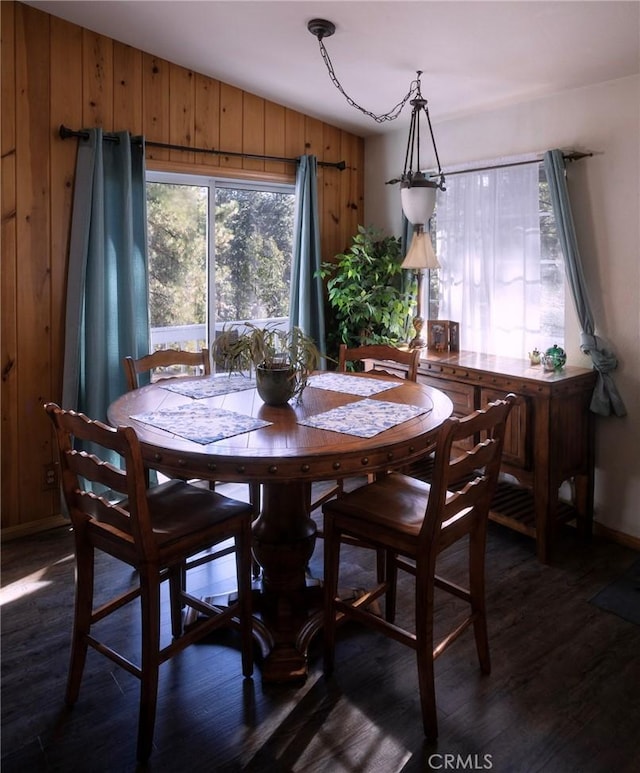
<point x="200" y="423"/>
<point x="211" y="386"/>
<point x="352" y="385"/>
<point x="365" y="418"/>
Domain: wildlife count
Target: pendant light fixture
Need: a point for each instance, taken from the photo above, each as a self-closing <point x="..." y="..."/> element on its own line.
<point x="417" y="190"/>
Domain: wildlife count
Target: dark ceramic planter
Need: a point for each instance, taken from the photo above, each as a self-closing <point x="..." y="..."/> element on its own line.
<point x="275" y="385"/>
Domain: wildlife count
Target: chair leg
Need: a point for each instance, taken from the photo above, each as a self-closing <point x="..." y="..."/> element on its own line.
<point x="391" y="572"/>
<point x="426" y="681"/>
<point x="331" y="570"/>
<point x="380" y="565"/>
<point x="81" y="621"/>
<point x="424" y="655"/>
<point x="478" y="603"/>
<point x="254" y="498"/>
<point x="244" y="571"/>
<point x="150" y="661"/>
<point x="177" y="584"/>
<point x="255" y="502"/>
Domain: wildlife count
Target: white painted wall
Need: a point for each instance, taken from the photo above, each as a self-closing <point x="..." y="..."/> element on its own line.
<point x="605" y="196"/>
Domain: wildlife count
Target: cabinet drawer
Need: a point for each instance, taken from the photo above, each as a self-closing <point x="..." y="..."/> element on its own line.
<point x="461" y="395"/>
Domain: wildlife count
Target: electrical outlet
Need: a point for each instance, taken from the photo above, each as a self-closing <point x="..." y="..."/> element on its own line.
<point x="50" y="476"/>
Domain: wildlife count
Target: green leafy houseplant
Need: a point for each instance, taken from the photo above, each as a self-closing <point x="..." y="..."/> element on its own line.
<point x="282" y="359"/>
<point x="370" y="299"/>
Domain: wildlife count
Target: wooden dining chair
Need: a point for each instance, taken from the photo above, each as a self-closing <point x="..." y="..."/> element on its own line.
<point x="413" y="522"/>
<point x="198" y="363"/>
<point x="380" y="352"/>
<point x="154" y="531"/>
<point x="386" y="356"/>
<point x="359" y="354"/>
<point x="164" y="363"/>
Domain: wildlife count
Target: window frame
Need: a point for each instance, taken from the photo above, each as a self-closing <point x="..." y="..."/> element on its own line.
<point x="433" y="285"/>
<point x="213" y="182"/>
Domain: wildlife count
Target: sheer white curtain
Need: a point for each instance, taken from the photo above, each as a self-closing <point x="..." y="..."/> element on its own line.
<point x="488" y="245"/>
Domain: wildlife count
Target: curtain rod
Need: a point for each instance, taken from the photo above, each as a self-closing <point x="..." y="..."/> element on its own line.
<point x="66" y="133"/>
<point x="573" y="155"/>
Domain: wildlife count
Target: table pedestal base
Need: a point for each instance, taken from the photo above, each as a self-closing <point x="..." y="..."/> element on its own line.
<point x="287" y="603"/>
<point x="289" y="606"/>
<point x="284" y="639"/>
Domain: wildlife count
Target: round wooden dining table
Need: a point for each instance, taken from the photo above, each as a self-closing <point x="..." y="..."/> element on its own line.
<point x="285" y="456"/>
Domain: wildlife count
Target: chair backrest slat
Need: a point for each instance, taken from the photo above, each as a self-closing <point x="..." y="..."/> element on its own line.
<point x="92" y="468"/>
<point x="103" y="511"/>
<point x="165" y="358"/>
<point x="408" y="357"/>
<point x="472" y="459"/>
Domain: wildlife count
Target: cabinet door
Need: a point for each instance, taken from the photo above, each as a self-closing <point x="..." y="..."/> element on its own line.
<point x="517" y="442"/>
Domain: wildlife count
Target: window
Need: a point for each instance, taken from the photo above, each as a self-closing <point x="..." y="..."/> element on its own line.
<point x="219" y="252"/>
<point x="502" y="271"/>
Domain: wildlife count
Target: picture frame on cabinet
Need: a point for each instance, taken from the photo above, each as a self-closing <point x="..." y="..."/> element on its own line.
<point x="443" y="335"/>
<point x="438" y="335"/>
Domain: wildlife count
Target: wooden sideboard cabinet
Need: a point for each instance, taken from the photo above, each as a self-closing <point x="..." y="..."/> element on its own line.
<point x="550" y="437"/>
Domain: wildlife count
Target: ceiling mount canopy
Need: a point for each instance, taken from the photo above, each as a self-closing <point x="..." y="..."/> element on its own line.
<point x="321" y="28"/>
<point x="417" y="190"/>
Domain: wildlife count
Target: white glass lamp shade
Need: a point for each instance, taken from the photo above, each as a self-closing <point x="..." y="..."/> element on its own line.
<point x="421" y="254"/>
<point x="418" y="200"/>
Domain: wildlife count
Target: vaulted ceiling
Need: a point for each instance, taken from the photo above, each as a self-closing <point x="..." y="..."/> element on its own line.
<point x="475" y="55"/>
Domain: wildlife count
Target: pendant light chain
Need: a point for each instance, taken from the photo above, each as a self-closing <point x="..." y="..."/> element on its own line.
<point x="391" y="115"/>
<point x="416" y="179"/>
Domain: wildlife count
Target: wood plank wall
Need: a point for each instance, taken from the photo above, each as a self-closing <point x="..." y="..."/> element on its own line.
<point x="53" y="73"/>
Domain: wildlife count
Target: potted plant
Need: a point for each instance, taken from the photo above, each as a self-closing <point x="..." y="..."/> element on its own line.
<point x="370" y="298"/>
<point x="282" y="359"/>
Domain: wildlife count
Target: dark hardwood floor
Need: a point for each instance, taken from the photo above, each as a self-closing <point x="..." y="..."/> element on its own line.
<point x="563" y="696"/>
